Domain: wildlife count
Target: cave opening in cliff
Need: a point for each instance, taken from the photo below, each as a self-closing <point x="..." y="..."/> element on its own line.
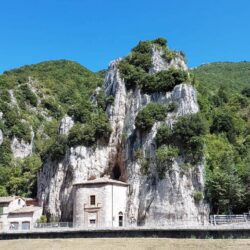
<point x="116" y="172"/>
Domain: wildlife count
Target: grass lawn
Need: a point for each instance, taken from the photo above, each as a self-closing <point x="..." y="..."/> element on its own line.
<point x="123" y="243"/>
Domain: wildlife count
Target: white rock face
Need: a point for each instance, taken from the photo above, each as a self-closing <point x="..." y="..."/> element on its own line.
<point x="55" y="179"/>
<point x="20" y="149"/>
<point x="151" y="201"/>
<point x="12" y="97"/>
<point x="66" y="124"/>
<point x="159" y="63"/>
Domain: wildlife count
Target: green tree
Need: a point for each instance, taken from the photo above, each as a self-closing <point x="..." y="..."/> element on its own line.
<point x="149" y="115"/>
<point x="164" y="159"/>
<point x="164" y="135"/>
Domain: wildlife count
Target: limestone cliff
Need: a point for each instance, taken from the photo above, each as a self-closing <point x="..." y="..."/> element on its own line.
<point x="152" y="201"/>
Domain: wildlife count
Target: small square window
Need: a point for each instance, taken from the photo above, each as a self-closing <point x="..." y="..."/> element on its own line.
<point x="92" y="200"/>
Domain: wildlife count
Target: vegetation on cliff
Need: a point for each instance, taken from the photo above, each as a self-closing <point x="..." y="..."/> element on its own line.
<point x="136" y="66"/>
<point x="33" y="99"/>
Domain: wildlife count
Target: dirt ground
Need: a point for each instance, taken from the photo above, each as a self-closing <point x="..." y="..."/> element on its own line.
<point x="123" y="243"/>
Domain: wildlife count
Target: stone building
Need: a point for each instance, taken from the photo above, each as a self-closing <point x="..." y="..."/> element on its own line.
<point x="7" y="205"/>
<point x="24" y="218"/>
<point x="100" y="202"/>
<point x="15" y="214"/>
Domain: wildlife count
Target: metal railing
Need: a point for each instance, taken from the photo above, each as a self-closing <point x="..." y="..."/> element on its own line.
<point x="229" y="219"/>
<point x="215" y="222"/>
<point x="54" y="225"/>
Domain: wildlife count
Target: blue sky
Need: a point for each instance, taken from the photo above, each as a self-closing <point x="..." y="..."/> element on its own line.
<point x="93" y="32"/>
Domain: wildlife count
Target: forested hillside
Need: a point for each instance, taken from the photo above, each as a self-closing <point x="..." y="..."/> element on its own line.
<point x="234" y="76"/>
<point x="33" y="100"/>
<point x="224" y="98"/>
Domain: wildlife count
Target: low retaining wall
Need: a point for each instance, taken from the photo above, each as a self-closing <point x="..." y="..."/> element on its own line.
<point x="132" y="233"/>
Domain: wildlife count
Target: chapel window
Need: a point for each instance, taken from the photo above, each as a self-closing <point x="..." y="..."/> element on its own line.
<point x="92" y="200"/>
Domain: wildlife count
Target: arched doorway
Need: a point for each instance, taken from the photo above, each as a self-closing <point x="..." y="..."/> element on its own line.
<point x="120" y="219"/>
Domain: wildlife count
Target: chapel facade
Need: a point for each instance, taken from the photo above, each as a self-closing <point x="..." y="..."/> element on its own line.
<point x="100" y="203"/>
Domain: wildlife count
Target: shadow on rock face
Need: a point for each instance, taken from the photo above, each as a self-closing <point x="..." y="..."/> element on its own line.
<point x="116" y="172"/>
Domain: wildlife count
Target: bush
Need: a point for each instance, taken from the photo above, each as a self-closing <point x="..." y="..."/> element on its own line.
<point x="164" y="135"/>
<point x="58" y="149"/>
<point x="102" y="127"/>
<point x="28" y="95"/>
<point x="103" y="101"/>
<point x="189" y="126"/>
<point x="3" y="191"/>
<point x="223" y="122"/>
<point x="160" y="41"/>
<point x="170" y="78"/>
<point x="163" y="81"/>
<point x="81" y="112"/>
<point x="81" y="135"/>
<point x="198" y="196"/>
<point x="51" y="105"/>
<point x="246" y="92"/>
<point x="132" y="76"/>
<point x="5" y="96"/>
<point x="186" y="135"/>
<point x="98" y="128"/>
<point x="138" y="154"/>
<point x="194" y="150"/>
<point x="42" y="219"/>
<point x="135" y="69"/>
<point x="149" y="115"/>
<point x="5" y="153"/>
<point x="11" y="116"/>
<point x="143" y="47"/>
<point x="164" y="159"/>
<point x="142" y="60"/>
<point x="23" y="181"/>
<point x="21" y="130"/>
<point x="221" y="97"/>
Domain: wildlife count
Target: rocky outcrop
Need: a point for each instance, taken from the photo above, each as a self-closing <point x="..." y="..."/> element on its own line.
<point x="21" y="148"/>
<point x="159" y="63"/>
<point x="66" y="124"/>
<point x="151" y="200"/>
<point x="13" y="98"/>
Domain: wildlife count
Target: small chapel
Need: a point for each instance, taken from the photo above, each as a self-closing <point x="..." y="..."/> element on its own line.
<point x="100" y="203"/>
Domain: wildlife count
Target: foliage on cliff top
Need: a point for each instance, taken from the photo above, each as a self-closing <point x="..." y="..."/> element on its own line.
<point x="136" y="66"/>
